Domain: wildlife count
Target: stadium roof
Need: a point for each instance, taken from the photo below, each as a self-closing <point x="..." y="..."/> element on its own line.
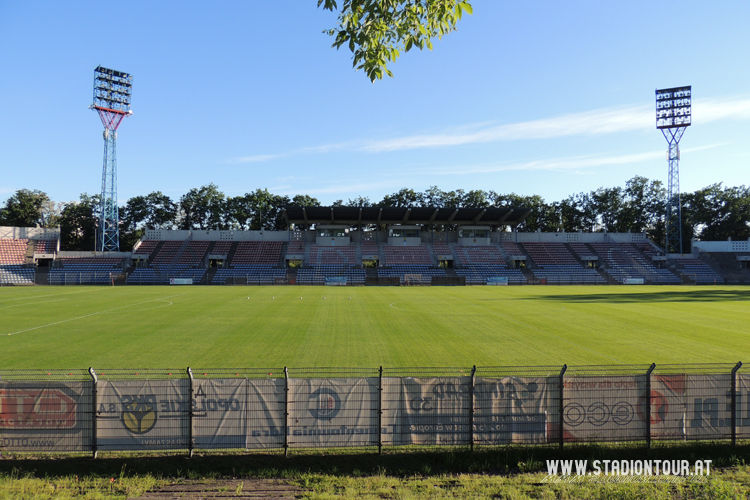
<point x="491" y="216"/>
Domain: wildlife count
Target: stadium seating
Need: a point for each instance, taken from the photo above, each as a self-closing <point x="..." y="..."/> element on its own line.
<point x="257" y="252"/>
<point x="84" y="270"/>
<point x="336" y="256"/>
<point x="317" y="275"/>
<point x="417" y="274"/>
<point x="45" y="246"/>
<point x="256" y="274"/>
<point x="221" y="248"/>
<point x="406" y="255"/>
<point x="478" y="255"/>
<point x="13" y="251"/>
<point x="550" y="254"/>
<point x="553" y="263"/>
<point x="624" y="261"/>
<point x="12" y="274"/>
<point x="480" y="274"/>
<point x="698" y="271"/>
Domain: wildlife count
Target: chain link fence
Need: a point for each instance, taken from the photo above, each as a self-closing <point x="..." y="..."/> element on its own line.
<point x="312" y="408"/>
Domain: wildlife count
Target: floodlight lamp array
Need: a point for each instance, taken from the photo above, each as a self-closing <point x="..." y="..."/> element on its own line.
<point x="674" y="107"/>
<point x="112" y="90"/>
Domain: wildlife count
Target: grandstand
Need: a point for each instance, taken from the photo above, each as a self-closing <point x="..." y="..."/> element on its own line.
<point x="402" y="249"/>
<point x="22" y="250"/>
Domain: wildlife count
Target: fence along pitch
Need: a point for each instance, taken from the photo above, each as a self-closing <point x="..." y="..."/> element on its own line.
<point x="728" y="388"/>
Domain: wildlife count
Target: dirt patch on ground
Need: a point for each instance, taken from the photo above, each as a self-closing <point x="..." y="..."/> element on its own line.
<point x="230" y="488"/>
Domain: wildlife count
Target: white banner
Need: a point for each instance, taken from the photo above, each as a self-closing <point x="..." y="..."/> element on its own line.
<point x="265" y="413"/>
<point x="142" y="414"/>
<point x="45" y="416"/>
<point x="329" y="412"/>
<point x="514" y="410"/>
<point x="669" y="408"/>
<point x="427" y="411"/>
<point x="709" y="406"/>
<point x="604" y="408"/>
<point x="219" y="413"/>
<point x="743" y="406"/>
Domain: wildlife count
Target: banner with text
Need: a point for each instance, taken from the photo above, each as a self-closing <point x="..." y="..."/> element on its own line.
<point x="142" y="414"/>
<point x="45" y="416"/>
<point x="604" y="408"/>
<point x="265" y="413"/>
<point x="219" y="413"/>
<point x="333" y="412"/>
<point x="515" y="409"/>
<point x="426" y="411"/>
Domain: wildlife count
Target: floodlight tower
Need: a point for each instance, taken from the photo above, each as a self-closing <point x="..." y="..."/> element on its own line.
<point x="112" y="102"/>
<point x="673" y="116"/>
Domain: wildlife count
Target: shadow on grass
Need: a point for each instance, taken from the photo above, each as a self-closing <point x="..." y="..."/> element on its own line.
<point x="645" y="297"/>
<point x="400" y="463"/>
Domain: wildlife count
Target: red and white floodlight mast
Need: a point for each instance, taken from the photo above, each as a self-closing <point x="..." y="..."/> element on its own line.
<point x="673" y="116"/>
<point x="112" y="90"/>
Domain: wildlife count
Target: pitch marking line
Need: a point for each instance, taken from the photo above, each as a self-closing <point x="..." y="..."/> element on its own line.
<point x="4" y="304"/>
<point x="161" y="299"/>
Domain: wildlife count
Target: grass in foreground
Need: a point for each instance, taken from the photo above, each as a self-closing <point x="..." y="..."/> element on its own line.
<point x="72" y="327"/>
<point x="500" y="472"/>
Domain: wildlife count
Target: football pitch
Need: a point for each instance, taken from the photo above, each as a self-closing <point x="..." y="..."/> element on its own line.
<point x="271" y="327"/>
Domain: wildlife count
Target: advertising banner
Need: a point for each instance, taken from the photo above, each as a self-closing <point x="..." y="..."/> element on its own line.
<point x="265" y="413"/>
<point x="709" y="399"/>
<point x="333" y="412"/>
<point x="219" y="413"/>
<point x="142" y="414"/>
<point x="426" y="411"/>
<point x="604" y="408"/>
<point x="45" y="416"/>
<point x="743" y="406"/>
<point x="669" y="407"/>
<point x="515" y="409"/>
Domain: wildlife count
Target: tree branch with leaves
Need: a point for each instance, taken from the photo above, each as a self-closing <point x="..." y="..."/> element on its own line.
<point x="377" y="31"/>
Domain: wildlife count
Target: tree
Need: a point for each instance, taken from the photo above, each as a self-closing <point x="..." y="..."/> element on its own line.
<point x="78" y="223"/>
<point x="203" y="208"/>
<point x="153" y="211"/>
<point x="376" y="31"/>
<point x="359" y="201"/>
<point x="403" y="198"/>
<point x="608" y="204"/>
<point x="644" y="201"/>
<point x="25" y="208"/>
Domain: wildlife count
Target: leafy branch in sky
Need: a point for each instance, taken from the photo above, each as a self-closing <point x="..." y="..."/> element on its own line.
<point x="376" y="31"/>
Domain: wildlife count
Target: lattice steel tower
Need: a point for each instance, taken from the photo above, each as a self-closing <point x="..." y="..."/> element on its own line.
<point x="112" y="102"/>
<point x="673" y="116"/>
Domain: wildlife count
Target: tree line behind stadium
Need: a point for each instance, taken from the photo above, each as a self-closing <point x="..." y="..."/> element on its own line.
<point x="715" y="212"/>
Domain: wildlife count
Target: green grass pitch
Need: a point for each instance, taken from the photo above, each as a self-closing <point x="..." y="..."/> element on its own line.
<point x="170" y="327"/>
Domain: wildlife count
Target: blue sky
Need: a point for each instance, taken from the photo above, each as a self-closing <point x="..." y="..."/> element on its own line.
<point x="536" y="97"/>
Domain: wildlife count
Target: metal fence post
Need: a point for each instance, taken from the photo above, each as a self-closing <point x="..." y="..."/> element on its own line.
<point x="94" y="380"/>
<point x="190" y="413"/>
<point x="286" y="411"/>
<point x="648" y="404"/>
<point x="380" y="410"/>
<point x="562" y="393"/>
<point x="734" y="402"/>
<point x="471" y="406"/>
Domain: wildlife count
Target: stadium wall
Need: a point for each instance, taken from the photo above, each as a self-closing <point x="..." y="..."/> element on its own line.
<point x="30" y="233"/>
<point x="730" y="246"/>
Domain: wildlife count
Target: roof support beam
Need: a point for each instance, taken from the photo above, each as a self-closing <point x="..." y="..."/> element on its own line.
<point x="434" y="216"/>
<point x="453" y="215"/>
<point x="406" y="215"/>
<point x="479" y="215"/>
